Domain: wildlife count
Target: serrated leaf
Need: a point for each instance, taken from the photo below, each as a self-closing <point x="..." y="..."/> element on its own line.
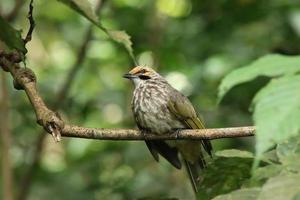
<point x="289" y="154"/>
<point x="271" y="66"/>
<point x="281" y="187"/>
<point x="242" y="194"/>
<point x="224" y="175"/>
<point x="11" y="37"/>
<point x="123" y="38"/>
<point x="277" y="112"/>
<point x="234" y="153"/>
<point x="84" y="8"/>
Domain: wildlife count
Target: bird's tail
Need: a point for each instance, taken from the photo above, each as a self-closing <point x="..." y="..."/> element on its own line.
<point x="193" y="170"/>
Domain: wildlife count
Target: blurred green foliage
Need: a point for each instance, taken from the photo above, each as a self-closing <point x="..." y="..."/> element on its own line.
<point x="11" y="36"/>
<point x="194" y="44"/>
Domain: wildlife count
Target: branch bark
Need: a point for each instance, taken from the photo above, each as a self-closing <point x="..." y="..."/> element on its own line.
<point x="24" y="79"/>
<point x="132" y="134"/>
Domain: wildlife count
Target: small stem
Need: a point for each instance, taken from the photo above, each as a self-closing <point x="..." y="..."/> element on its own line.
<point x="31" y="23"/>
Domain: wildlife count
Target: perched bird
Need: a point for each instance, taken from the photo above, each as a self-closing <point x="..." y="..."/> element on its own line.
<point x="159" y="108"/>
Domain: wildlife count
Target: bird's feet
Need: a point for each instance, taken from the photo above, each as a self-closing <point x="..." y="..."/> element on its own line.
<point x="176" y="132"/>
<point x="145" y="132"/>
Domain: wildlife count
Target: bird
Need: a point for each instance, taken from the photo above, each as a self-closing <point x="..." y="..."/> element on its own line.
<point x="158" y="108"/>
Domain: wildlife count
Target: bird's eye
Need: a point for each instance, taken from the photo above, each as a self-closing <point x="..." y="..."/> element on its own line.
<point x="144" y="77"/>
<point x="143" y="71"/>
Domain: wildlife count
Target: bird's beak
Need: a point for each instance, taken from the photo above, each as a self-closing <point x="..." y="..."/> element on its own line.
<point x="129" y="76"/>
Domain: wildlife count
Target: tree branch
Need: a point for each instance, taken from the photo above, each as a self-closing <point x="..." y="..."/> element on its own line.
<point x="25" y="79"/>
<point x="132" y="134"/>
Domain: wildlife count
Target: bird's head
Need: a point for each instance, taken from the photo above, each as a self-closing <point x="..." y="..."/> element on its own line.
<point x="139" y="74"/>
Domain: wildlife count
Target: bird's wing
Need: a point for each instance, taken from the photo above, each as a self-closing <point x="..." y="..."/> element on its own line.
<point x="160" y="147"/>
<point x="169" y="153"/>
<point x="182" y="108"/>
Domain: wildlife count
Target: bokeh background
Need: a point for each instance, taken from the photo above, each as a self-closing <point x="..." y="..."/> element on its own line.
<point x="193" y="43"/>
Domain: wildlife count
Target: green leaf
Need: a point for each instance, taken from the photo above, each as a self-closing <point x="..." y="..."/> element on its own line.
<point x="281" y="187"/>
<point x="277" y="112"/>
<point x="86" y="9"/>
<point x="270" y="156"/>
<point x="123" y="38"/>
<point x="11" y="37"/>
<point x="234" y="153"/>
<point x="267" y="157"/>
<point x="224" y="175"/>
<point x="289" y="154"/>
<point x="242" y="194"/>
<point x="270" y="65"/>
<point x="266" y="172"/>
<point x="262" y="174"/>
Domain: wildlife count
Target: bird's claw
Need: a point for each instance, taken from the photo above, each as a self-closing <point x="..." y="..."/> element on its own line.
<point x="176" y="133"/>
<point x="144" y="133"/>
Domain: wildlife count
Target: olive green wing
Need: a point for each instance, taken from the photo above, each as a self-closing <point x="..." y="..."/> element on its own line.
<point x="182" y="108"/>
<point x="194" y="161"/>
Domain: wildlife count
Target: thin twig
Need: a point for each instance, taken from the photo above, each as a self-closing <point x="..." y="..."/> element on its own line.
<point x="31" y="23"/>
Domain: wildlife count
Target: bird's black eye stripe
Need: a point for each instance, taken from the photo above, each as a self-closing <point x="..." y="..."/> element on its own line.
<point x="144" y="77"/>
